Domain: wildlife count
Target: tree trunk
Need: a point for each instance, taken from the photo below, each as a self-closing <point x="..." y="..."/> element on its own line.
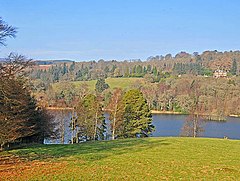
<point x="114" y="125"/>
<point x="76" y="136"/>
<point x="95" y="128"/>
<point x="72" y="139"/>
<point x="114" y="119"/>
<point x="195" y="125"/>
<point x="62" y="128"/>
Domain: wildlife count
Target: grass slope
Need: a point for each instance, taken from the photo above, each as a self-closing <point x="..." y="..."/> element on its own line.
<point x="123" y="83"/>
<point x="130" y="159"/>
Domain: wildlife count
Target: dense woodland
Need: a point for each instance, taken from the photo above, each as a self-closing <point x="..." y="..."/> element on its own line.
<point x="166" y="85"/>
<point x="155" y="68"/>
<point x="166" y="82"/>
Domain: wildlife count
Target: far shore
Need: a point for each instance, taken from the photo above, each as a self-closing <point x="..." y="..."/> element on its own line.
<point x="59" y="108"/>
<point x="179" y="113"/>
<point x="152" y="111"/>
<point x="165" y="112"/>
<point x="234" y="115"/>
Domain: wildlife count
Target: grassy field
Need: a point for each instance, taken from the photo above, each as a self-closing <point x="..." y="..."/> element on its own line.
<point x="130" y="159"/>
<point x="123" y="83"/>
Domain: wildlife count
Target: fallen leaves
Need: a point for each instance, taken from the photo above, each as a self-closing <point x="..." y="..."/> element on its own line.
<point x="12" y="167"/>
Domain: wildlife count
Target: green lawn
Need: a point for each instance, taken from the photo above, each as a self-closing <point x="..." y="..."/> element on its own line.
<point x="123" y="83"/>
<point x="130" y="159"/>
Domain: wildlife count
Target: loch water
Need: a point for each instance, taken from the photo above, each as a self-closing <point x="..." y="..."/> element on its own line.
<point x="171" y="125"/>
<point x="166" y="125"/>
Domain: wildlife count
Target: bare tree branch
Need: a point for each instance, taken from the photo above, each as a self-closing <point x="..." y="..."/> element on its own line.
<point x="6" y="31"/>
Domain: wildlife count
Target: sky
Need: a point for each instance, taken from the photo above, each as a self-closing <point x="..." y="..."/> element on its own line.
<point x="85" y="30"/>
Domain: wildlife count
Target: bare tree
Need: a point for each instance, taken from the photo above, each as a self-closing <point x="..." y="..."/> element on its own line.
<point x="90" y="122"/>
<point x="20" y="117"/>
<point x="116" y="110"/>
<point x="14" y="65"/>
<point x="21" y="120"/>
<point x="194" y="123"/>
<point x="6" y="31"/>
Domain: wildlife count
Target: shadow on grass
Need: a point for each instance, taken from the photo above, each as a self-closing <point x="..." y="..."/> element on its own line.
<point x="89" y="151"/>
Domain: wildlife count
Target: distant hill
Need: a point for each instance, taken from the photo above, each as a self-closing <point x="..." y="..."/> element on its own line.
<point x="50" y="62"/>
<point x="46" y="62"/>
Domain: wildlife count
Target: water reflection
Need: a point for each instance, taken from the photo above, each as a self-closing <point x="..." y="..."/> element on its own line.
<point x="165" y="125"/>
<point x="171" y="125"/>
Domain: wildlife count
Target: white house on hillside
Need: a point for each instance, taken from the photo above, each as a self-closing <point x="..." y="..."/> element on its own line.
<point x="219" y="73"/>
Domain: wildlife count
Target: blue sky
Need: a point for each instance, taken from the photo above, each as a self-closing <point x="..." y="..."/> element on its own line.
<point x="120" y="29"/>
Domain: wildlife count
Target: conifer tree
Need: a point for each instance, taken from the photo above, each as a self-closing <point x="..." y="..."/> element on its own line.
<point x="234" y="67"/>
<point x="137" y="116"/>
<point x="101" y="85"/>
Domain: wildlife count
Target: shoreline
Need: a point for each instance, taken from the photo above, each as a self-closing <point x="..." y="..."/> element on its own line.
<point x="59" y="108"/>
<point x="234" y="115"/>
<point x="166" y="112"/>
<point x="179" y="113"/>
<point x="152" y="111"/>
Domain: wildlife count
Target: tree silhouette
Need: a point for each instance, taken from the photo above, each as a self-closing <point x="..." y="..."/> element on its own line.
<point x="6" y="31"/>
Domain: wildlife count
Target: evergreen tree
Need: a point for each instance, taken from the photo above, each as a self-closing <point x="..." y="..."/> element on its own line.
<point x="139" y="71"/>
<point x="72" y="67"/>
<point x="85" y="73"/>
<point x="137" y="116"/>
<point x="149" y="68"/>
<point x="64" y="69"/>
<point x="113" y="68"/>
<point x="101" y="85"/>
<point x="154" y="71"/>
<point x="144" y="70"/>
<point x="234" y="67"/>
<point x="79" y="75"/>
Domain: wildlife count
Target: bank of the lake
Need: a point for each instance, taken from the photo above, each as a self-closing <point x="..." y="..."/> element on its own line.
<point x="129" y="159"/>
<point x="152" y="111"/>
<point x="166" y="112"/>
<point x="234" y="115"/>
<point x="210" y="117"/>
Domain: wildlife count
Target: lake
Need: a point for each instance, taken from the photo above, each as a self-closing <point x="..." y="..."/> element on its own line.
<point x="170" y="125"/>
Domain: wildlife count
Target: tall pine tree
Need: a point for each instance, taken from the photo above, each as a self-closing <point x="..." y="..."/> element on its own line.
<point x="137" y="116"/>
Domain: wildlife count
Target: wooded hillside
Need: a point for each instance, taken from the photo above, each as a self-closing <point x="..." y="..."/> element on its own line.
<point x="155" y="68"/>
